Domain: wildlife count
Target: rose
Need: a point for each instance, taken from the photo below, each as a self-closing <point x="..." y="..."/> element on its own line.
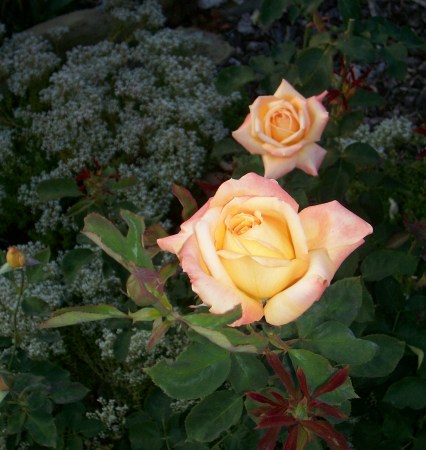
<point x="283" y="128"/>
<point x="249" y="246"/>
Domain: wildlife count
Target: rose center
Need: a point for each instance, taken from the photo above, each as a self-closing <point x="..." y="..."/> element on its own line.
<point x="284" y="119"/>
<point x="242" y="222"/>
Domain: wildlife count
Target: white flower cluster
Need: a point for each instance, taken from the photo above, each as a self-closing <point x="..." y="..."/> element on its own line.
<point x="384" y="136"/>
<point x="138" y="357"/>
<point x="39" y="344"/>
<point x="148" y="12"/>
<point x="24" y="59"/>
<point x="112" y="415"/>
<point x="149" y="109"/>
<point x="93" y="285"/>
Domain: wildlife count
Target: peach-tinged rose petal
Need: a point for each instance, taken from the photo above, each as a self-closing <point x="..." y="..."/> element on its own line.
<point x="174" y="243"/>
<point x="277" y="166"/>
<point x="319" y="119"/>
<point x="244" y="136"/>
<point x="310" y="158"/>
<point x="335" y="228"/>
<point x="209" y="255"/>
<point x="222" y="298"/>
<point x="260" y="280"/>
<point x="251" y="185"/>
<point x="287" y="92"/>
<point x="295" y="300"/>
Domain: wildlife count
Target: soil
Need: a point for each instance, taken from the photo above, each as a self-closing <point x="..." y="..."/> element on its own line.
<point x="233" y="22"/>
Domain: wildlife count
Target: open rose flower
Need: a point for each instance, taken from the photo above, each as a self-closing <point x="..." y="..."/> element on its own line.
<point x="284" y="129"/>
<point x="249" y="246"/>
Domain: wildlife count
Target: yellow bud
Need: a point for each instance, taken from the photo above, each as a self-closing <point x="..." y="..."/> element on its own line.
<point x="15" y="258"/>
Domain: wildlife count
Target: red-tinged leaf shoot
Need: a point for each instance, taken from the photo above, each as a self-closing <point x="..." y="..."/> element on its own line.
<point x="325" y="431"/>
<point x="333" y="383"/>
<point x="282" y="373"/>
<point x="269" y="439"/>
<point x="324" y="409"/>
<point x="282" y="400"/>
<point x="186" y="199"/>
<point x="260" y="398"/>
<point x="278" y="420"/>
<point x="303" y="384"/>
<point x="291" y="442"/>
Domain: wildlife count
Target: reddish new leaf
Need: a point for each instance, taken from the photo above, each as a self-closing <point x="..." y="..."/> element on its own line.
<point x="276" y="364"/>
<point x="303" y="384"/>
<point x="334" y="439"/>
<point x="323" y="409"/>
<point x="334" y="382"/>
<point x="269" y="439"/>
<point x="260" y="398"/>
<point x="186" y="199"/>
<point x="278" y="420"/>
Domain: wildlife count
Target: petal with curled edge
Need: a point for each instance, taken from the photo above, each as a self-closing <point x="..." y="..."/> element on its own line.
<point x="286" y="91"/>
<point x="244" y="136"/>
<point x="281" y="227"/>
<point x="294" y="301"/>
<point x="310" y="158"/>
<point x="208" y="251"/>
<point x="251" y="185"/>
<point x="262" y="277"/>
<point x="278" y="166"/>
<point x="221" y="297"/>
<point x="174" y="243"/>
<point x="319" y="118"/>
<point x="333" y="227"/>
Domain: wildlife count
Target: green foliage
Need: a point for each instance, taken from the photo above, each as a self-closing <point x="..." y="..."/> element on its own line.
<point x="157" y="374"/>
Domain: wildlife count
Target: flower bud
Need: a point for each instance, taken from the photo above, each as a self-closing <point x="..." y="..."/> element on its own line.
<point x="15" y="258"/>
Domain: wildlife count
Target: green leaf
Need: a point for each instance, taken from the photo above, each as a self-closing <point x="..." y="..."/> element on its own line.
<point x="129" y="250"/>
<point x="79" y="314"/>
<point x="334" y="184"/>
<point x="233" y="78"/>
<point x="3" y="394"/>
<point x="121" y="345"/>
<point x="315" y="67"/>
<point x="145" y="315"/>
<point x="213" y="415"/>
<point x="74" y="261"/>
<point x="36" y="273"/>
<point x="357" y="48"/>
<point x="409" y="392"/>
<point x="386" y="262"/>
<point x="390" y="351"/>
<point x="68" y="392"/>
<point x="57" y="188"/>
<point x="198" y="371"/>
<point x="349" y="9"/>
<point x="366" y="312"/>
<point x="361" y="154"/>
<point x="247" y="373"/>
<point x="337" y="342"/>
<point x="340" y="302"/>
<point x="35" y="306"/>
<point x="5" y="268"/>
<point x="270" y="11"/>
<point x="188" y="202"/>
<point x="366" y="99"/>
<point x="144" y="433"/>
<point x="318" y="370"/>
<point x="213" y="321"/>
<point x="42" y="429"/>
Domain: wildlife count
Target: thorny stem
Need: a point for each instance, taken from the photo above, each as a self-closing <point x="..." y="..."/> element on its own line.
<point x="20" y="291"/>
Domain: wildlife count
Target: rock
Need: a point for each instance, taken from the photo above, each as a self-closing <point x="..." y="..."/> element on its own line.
<point x="85" y="27"/>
